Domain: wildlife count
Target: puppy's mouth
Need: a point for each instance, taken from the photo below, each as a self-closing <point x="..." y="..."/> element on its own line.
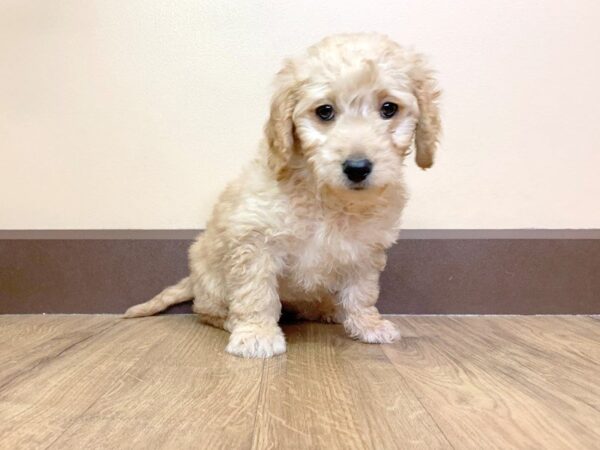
<point x="364" y="188"/>
<point x="358" y="186"/>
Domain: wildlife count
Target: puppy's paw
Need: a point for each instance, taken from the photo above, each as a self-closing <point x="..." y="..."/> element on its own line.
<point x="372" y="330"/>
<point x="255" y="341"/>
<point x="335" y="316"/>
<point x="330" y="318"/>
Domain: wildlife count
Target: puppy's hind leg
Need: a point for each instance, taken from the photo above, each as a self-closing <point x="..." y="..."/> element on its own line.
<point x="172" y="295"/>
<point x="214" y="321"/>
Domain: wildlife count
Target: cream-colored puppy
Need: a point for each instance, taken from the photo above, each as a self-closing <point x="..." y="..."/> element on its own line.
<point x="307" y="223"/>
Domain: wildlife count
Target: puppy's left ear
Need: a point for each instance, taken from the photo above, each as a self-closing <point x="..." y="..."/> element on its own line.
<point x="429" y="125"/>
<point x="279" y="129"/>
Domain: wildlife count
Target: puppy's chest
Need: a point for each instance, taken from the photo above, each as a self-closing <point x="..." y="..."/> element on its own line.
<point x="320" y="256"/>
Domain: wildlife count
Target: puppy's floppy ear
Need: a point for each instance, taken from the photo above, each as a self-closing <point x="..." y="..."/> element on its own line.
<point x="429" y="126"/>
<point x="279" y="129"/>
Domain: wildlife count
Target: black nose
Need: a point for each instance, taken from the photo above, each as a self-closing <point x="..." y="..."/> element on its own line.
<point x="357" y="169"/>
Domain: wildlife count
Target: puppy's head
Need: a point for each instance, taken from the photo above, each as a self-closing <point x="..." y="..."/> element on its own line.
<point x="349" y="109"/>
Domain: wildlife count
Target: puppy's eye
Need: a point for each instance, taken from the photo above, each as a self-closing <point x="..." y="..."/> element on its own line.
<point x="325" y="112"/>
<point x="388" y="110"/>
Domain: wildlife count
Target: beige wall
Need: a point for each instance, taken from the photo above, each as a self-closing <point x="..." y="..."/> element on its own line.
<point x="134" y="114"/>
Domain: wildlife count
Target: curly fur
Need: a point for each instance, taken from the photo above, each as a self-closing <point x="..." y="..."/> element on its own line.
<point x="289" y="230"/>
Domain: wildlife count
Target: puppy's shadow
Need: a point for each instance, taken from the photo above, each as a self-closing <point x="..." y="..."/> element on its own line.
<point x="311" y="332"/>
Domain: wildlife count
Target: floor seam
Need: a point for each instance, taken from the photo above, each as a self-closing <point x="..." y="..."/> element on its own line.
<point x="260" y="390"/>
<point x="46" y="359"/>
<point x="419" y="400"/>
<point x="74" y="421"/>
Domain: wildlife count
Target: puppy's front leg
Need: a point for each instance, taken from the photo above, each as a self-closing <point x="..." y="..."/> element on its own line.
<point x="255" y="308"/>
<point x="362" y="319"/>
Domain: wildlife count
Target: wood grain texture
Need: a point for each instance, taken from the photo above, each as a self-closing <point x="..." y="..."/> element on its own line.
<point x="489" y="384"/>
<point x="335" y="393"/>
<point x="137" y="384"/>
<point x="165" y="382"/>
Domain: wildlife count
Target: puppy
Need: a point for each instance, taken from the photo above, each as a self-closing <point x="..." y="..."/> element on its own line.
<point x="306" y="225"/>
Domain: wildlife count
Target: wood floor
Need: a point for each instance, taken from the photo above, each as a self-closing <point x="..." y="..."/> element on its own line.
<point x="165" y="382"/>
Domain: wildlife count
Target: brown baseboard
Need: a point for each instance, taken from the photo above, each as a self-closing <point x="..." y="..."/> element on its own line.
<point x="428" y="271"/>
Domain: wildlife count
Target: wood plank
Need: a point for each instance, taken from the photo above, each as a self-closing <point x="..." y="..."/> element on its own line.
<point x="482" y="389"/>
<point x="30" y="341"/>
<point x="463" y="382"/>
<point x="559" y="357"/>
<point x="335" y="393"/>
<point x="159" y="381"/>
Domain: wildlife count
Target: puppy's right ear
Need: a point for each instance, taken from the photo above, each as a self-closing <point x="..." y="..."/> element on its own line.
<point x="429" y="126"/>
<point x="279" y="129"/>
